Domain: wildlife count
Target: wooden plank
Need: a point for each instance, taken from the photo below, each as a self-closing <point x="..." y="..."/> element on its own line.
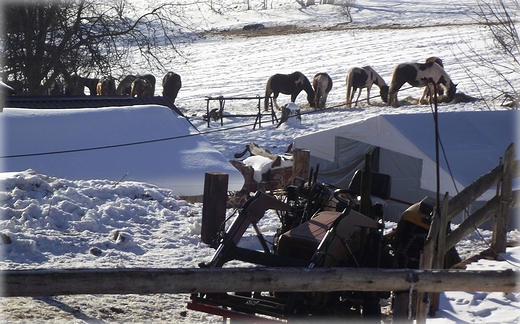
<point x="154" y="281"/>
<point x="214" y="206"/>
<point x="469" y="194"/>
<point x="473" y="221"/>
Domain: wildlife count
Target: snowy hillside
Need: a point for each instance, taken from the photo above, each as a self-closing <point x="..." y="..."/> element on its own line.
<point x="103" y="223"/>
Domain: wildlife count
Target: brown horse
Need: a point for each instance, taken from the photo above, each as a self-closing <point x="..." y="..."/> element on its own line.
<point x="365" y="77"/>
<point x="151" y="79"/>
<point x="420" y="75"/>
<point x="290" y="84"/>
<point x="106" y="86"/>
<point x="141" y="87"/>
<point x="75" y="85"/>
<point x="171" y="84"/>
<point x="125" y="86"/>
<point x="322" y="84"/>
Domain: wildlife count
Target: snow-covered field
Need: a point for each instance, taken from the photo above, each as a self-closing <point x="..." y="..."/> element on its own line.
<point x="57" y="223"/>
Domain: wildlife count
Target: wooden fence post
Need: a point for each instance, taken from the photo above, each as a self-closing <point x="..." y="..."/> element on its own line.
<point x="441" y="252"/>
<point x="214" y="205"/>
<point x="499" y="241"/>
<point x="301" y="160"/>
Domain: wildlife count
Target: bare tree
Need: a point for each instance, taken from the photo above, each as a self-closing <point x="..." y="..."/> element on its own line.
<point x="46" y="40"/>
<point x="502" y="56"/>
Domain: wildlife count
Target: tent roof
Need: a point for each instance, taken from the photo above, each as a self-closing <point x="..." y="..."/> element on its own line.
<point x="148" y="143"/>
<point x="473" y="141"/>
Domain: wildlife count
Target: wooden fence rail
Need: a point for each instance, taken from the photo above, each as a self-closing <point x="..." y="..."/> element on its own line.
<point x="31" y="283"/>
<point x="499" y="207"/>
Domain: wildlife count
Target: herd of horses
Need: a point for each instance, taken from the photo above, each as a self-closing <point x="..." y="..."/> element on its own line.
<point x="130" y="85"/>
<point x="430" y="75"/>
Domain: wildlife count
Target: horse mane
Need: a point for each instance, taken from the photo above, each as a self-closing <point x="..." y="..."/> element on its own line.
<point x="307" y="86"/>
<point x="380" y="82"/>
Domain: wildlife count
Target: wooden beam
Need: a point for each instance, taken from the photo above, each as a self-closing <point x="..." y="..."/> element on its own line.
<point x="469" y="225"/>
<point x="469" y="194"/>
<point x="155" y="281"/>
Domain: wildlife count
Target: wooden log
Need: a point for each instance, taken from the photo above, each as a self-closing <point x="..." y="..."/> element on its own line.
<point x="301" y="160"/>
<point x="480" y="186"/>
<point x="155" y="281"/>
<point x="469" y="225"/>
<point x="469" y="194"/>
<point x="499" y="240"/>
<point x="214" y="206"/>
<point x="254" y="149"/>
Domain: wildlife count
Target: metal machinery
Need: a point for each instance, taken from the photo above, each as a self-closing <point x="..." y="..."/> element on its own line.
<point x="321" y="226"/>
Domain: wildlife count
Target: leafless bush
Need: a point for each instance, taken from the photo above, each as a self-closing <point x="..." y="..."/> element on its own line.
<point x="499" y="59"/>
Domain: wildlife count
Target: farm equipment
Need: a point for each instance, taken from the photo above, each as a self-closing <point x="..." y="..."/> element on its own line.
<point x="321" y="226"/>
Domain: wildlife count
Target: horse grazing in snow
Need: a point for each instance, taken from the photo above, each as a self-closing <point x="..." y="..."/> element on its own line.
<point x="171" y="84"/>
<point x="125" y="86"/>
<point x="322" y="84"/>
<point x="440" y="90"/>
<point x="290" y="84"/>
<point x="420" y="75"/>
<point x="365" y="77"/>
<point x="141" y="87"/>
<point x="106" y="86"/>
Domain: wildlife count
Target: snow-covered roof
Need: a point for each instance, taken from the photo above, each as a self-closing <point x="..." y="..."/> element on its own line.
<point x="147" y="143"/>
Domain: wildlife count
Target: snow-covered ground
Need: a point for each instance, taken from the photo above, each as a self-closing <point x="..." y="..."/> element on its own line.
<point x="57" y="223"/>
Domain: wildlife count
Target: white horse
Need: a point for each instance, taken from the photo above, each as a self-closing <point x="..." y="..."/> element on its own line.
<point x="365" y="77"/>
<point x="420" y="75"/>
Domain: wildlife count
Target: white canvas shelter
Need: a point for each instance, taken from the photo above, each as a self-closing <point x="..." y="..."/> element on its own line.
<point x="146" y="143"/>
<point x="403" y="146"/>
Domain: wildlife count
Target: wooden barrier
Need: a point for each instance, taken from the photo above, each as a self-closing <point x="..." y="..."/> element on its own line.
<point x="218" y="113"/>
<point x="18" y="283"/>
<point x="438" y="243"/>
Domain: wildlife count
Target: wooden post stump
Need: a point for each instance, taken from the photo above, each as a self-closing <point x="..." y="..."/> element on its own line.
<point x="214" y="205"/>
<point x="301" y="160"/>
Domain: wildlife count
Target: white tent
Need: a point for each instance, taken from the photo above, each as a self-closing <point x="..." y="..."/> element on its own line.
<point x="403" y="146"/>
<point x="147" y="143"/>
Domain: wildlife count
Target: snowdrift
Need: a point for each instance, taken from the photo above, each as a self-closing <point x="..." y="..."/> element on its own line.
<point x="147" y="143"/>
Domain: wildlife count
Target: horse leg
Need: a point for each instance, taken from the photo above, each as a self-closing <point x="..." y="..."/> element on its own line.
<point x="324" y="100"/>
<point x="358" y="95"/>
<point x="275" y="103"/>
<point x="426" y="93"/>
<point x="368" y="95"/>
<point x="349" y="97"/>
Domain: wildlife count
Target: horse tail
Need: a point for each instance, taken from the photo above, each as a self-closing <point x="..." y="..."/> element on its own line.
<point x="329" y="84"/>
<point x="349" y="88"/>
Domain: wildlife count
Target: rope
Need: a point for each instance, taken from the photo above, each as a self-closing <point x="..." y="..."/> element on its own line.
<point x="98" y="148"/>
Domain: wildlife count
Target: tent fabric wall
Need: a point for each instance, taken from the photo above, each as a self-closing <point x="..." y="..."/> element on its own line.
<point x="472" y="141"/>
